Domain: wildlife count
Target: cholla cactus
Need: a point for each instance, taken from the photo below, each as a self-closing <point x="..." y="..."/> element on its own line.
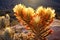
<point x="38" y="20"/>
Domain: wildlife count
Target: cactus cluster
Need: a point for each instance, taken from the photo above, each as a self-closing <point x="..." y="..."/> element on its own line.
<point x="34" y="24"/>
<point x="38" y="20"/>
